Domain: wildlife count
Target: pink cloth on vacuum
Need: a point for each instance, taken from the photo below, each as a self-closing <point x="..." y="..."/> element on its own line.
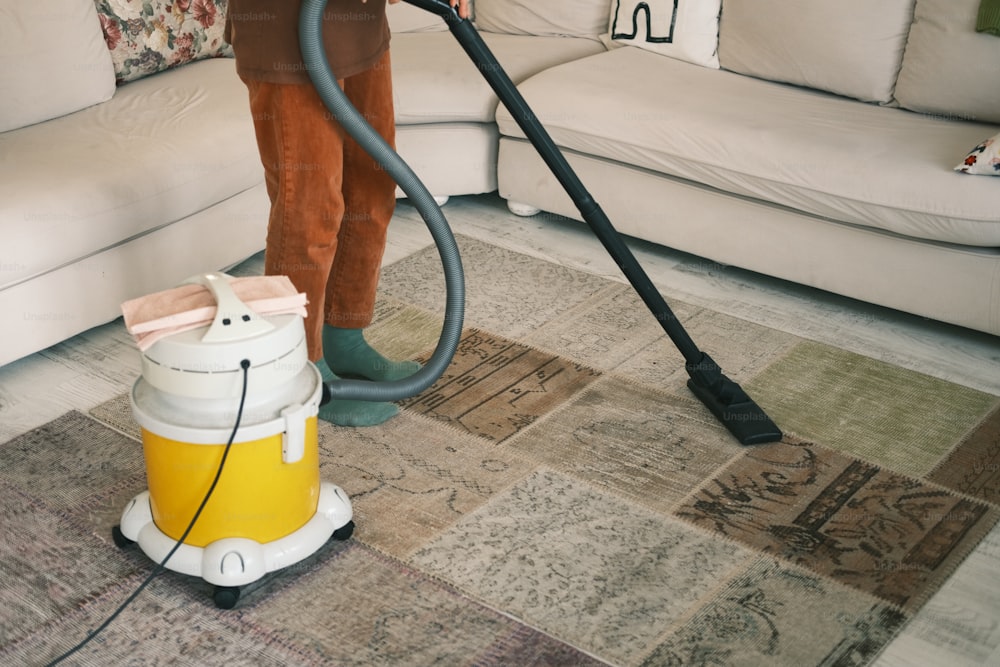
<point x="154" y="316"/>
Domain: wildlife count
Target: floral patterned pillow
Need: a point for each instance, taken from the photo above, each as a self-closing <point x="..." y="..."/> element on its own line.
<point x="149" y="36"/>
<point x="984" y="159"/>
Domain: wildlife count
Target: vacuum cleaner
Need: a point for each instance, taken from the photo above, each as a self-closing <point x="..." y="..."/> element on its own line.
<point x="730" y="404"/>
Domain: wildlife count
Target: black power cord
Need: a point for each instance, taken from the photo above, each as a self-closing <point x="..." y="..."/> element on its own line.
<point x="161" y="566"/>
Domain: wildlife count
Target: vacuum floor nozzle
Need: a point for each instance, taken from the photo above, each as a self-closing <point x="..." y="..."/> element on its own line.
<point x="746" y="420"/>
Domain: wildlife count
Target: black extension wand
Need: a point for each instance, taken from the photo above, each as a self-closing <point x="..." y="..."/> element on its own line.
<point x="746" y="420"/>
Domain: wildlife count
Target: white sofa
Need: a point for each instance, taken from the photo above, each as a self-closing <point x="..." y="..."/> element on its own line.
<point x="780" y="150"/>
<point x="811" y="141"/>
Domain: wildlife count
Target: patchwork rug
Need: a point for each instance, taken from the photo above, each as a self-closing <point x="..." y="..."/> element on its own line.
<point x="556" y="498"/>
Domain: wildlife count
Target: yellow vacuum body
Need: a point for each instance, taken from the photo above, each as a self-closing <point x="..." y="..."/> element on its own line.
<point x="263" y="494"/>
<point x="268" y="508"/>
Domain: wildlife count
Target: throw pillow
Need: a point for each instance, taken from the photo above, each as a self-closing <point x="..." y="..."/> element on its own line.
<point x="582" y="18"/>
<point x="683" y="29"/>
<point x="149" y="36"/>
<point x="984" y="159"/>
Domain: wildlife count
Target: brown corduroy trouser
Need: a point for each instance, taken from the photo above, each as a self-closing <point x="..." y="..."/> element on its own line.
<point x="331" y="203"/>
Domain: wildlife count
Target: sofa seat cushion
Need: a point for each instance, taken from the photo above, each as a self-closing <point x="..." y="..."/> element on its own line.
<point x="813" y="152"/>
<point x="434" y="81"/>
<point x="161" y="149"/>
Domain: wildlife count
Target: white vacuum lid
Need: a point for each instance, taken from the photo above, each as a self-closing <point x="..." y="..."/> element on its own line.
<point x="206" y="362"/>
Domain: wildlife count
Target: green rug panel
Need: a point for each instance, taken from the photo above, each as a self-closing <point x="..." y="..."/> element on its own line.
<point x="896" y="418"/>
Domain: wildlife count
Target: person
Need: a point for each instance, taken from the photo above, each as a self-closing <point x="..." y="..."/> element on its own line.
<point x="331" y="203"/>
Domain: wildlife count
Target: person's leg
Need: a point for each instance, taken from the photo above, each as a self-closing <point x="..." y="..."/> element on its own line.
<point x="300" y="150"/>
<point x="300" y="147"/>
<point x="369" y="202"/>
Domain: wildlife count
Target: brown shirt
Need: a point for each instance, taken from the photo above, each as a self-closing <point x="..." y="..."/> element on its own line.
<point x="265" y="38"/>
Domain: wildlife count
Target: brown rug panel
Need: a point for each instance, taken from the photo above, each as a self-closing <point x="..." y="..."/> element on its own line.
<point x="973" y="467"/>
<point x="893" y="536"/>
<point x="495" y="387"/>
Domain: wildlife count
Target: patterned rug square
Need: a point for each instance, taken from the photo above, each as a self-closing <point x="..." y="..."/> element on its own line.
<point x="168" y="624"/>
<point x="760" y="619"/>
<point x="495" y="387"/>
<point x="646" y="445"/>
<point x="614" y="331"/>
<point x="973" y="467"/>
<point x="893" y="536"/>
<point x="607" y="329"/>
<point x="896" y="418"/>
<point x="413" y="477"/>
<point x="582" y="565"/>
<point x="70" y="461"/>
<point x="401" y="331"/>
<point x="507" y="293"/>
<point x="743" y="349"/>
<point x="48" y="567"/>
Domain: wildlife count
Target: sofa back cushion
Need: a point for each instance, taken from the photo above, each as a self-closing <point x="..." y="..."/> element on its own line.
<point x="53" y="60"/>
<point x="580" y="18"/>
<point x="404" y="17"/>
<point x="849" y="47"/>
<point x="949" y="69"/>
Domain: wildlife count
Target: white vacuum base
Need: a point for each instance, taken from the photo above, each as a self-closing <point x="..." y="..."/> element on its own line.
<point x="237" y="561"/>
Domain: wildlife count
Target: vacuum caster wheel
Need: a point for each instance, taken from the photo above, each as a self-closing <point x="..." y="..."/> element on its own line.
<point x="119" y="537"/>
<point x="226" y="597"/>
<point x="344" y="532"/>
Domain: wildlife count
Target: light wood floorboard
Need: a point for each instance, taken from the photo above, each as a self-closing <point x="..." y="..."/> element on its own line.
<point x="959" y="626"/>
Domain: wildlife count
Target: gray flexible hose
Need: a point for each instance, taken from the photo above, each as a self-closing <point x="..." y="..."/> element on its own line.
<point x="318" y="67"/>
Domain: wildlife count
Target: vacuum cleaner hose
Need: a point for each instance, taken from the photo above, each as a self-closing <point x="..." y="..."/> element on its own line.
<point x="318" y="67"/>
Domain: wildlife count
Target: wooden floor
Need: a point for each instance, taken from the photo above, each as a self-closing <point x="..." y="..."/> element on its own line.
<point x="960" y="625"/>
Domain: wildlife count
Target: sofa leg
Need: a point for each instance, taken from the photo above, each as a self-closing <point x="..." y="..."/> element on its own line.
<point x="441" y="200"/>
<point x="523" y="210"/>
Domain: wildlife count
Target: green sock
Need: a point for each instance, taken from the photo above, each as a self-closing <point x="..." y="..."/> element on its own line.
<point x="348" y="354"/>
<point x="343" y="412"/>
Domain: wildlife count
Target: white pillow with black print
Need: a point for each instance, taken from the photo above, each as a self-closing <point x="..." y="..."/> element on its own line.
<point x="683" y="29"/>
